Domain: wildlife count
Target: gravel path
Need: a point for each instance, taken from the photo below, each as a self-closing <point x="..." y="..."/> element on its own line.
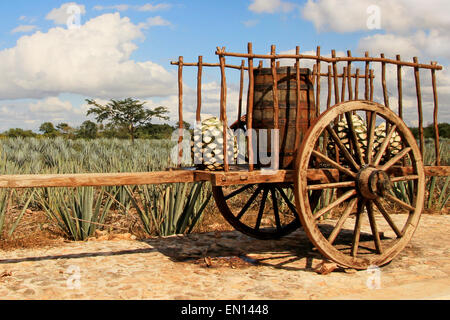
<point x="176" y="268"/>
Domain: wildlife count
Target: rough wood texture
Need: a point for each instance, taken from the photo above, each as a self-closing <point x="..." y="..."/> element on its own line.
<point x="251" y="92"/>
<point x="367" y="75"/>
<point x="383" y="82"/>
<point x="400" y="89"/>
<point x="199" y="89"/>
<point x="180" y="109"/>
<point x="223" y="111"/>
<point x="318" y="83"/>
<point x="435" y="118"/>
<point x="349" y="78"/>
<point x="336" y="83"/>
<point x="241" y="90"/>
<point x="333" y="59"/>
<point x="419" y="106"/>
<point x="95" y="179"/>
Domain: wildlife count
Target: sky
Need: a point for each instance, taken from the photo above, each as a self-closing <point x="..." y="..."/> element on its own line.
<point x="56" y="54"/>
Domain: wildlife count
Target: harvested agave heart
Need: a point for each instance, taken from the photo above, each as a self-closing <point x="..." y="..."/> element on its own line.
<point x="207" y="146"/>
<point x="359" y="125"/>
<point x="343" y="133"/>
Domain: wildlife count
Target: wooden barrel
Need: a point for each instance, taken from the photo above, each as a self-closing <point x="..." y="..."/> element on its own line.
<point x="263" y="109"/>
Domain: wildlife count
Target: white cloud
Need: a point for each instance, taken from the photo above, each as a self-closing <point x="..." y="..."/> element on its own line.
<point x="396" y="16"/>
<point x="156" y="7"/>
<point x="61" y="15"/>
<point x="271" y="6"/>
<point x="51" y="105"/>
<point x="93" y="61"/>
<point x="24" y="29"/>
<point x="154" y="22"/>
<point x="118" y="7"/>
<point x="144" y="8"/>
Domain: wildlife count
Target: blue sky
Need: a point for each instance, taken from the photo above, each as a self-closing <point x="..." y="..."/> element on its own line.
<point x="124" y="49"/>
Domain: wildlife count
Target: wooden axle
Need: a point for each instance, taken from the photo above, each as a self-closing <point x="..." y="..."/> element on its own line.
<point x="217" y="178"/>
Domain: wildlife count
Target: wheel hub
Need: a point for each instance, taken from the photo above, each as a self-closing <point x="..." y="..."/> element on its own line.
<point x="372" y="183"/>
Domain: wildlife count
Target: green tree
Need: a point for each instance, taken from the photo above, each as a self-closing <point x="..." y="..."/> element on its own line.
<point x="87" y="130"/>
<point x="48" y="129"/>
<point x="17" y="132"/>
<point x="128" y="113"/>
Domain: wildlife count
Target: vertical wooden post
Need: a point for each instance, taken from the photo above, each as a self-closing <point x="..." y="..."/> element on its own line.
<point x="344" y="81"/>
<point x="251" y="91"/>
<point x="329" y="88"/>
<point x="223" y="111"/>
<point x="336" y="84"/>
<point x="435" y="117"/>
<point x="419" y="106"/>
<point x="298" y="111"/>
<point x="276" y="107"/>
<point x="399" y="88"/>
<point x="371" y="84"/>
<point x="199" y="90"/>
<point x="349" y="76"/>
<point x="318" y="83"/>
<point x="383" y="82"/>
<point x="276" y="110"/>
<point x="367" y="75"/>
<point x="241" y="91"/>
<point x="357" y="84"/>
<point x="180" y="110"/>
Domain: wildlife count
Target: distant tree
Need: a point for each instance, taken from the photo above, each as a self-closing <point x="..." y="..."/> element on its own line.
<point x="128" y="113"/>
<point x="186" y="125"/>
<point x="87" y="130"/>
<point x="48" y="130"/>
<point x="155" y="131"/>
<point x="19" y="133"/>
<point x="428" y="131"/>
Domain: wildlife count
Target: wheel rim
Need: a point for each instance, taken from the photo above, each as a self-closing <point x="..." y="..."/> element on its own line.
<point x="263" y="211"/>
<point x="366" y="195"/>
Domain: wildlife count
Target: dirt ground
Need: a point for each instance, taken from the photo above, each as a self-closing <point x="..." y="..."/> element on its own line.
<point x="220" y="265"/>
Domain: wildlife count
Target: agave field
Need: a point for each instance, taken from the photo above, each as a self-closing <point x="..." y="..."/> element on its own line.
<point x="161" y="209"/>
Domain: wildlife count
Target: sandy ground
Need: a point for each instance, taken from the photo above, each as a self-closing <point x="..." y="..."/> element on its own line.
<point x="227" y="265"/>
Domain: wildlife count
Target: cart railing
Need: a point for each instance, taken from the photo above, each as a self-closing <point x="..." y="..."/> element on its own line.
<point x="348" y="90"/>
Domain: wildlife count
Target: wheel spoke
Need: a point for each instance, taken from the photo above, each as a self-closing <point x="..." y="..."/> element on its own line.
<point x="344" y="150"/>
<point x="341" y="221"/>
<point x="333" y="163"/>
<point x="275" y="209"/>
<point x="405" y="178"/>
<point x="388" y="218"/>
<point x="261" y="209"/>
<point x="238" y="191"/>
<point x="354" y="138"/>
<point x="288" y="202"/>
<point x="345" y="184"/>
<point x="357" y="229"/>
<point x="334" y="204"/>
<point x="394" y="160"/>
<point x="249" y="203"/>
<point x="399" y="202"/>
<point x="371" y="135"/>
<point x="373" y="226"/>
<point x="384" y="145"/>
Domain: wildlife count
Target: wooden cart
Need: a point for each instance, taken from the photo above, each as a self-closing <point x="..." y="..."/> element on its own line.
<point x="348" y="176"/>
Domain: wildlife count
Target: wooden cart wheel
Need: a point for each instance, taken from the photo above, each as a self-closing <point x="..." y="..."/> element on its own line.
<point x="264" y="211"/>
<point x="362" y="227"/>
